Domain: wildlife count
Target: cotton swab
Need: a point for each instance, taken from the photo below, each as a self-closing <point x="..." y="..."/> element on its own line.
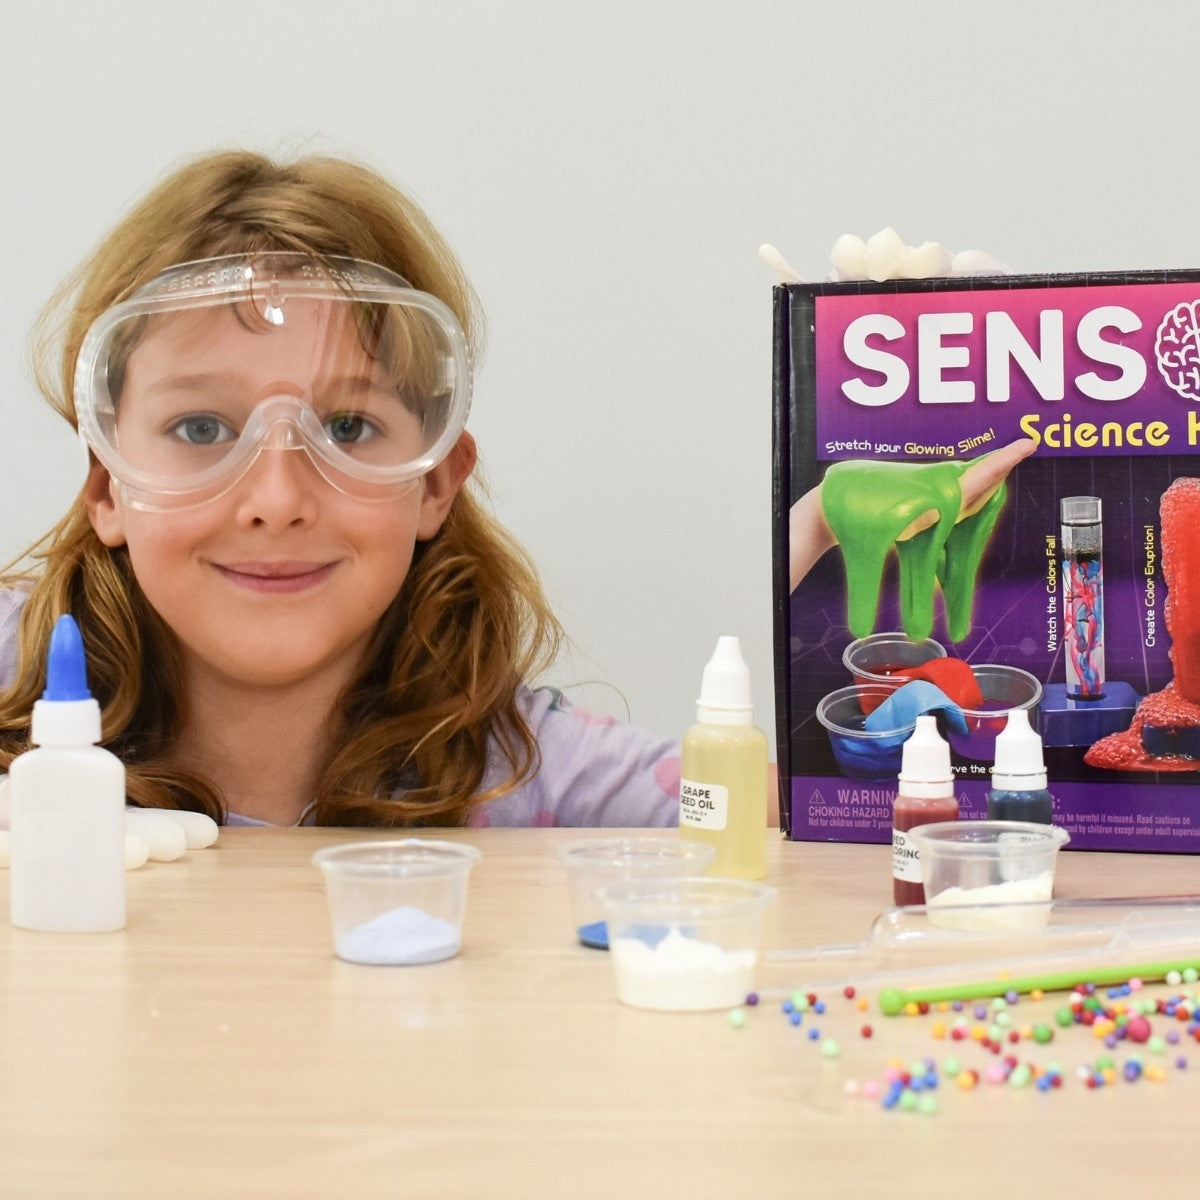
<point x="778" y="264"/>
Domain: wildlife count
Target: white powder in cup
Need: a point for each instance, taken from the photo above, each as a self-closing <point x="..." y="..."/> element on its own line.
<point x="680" y="973"/>
<point x="403" y="936"/>
<point x="990" y="907"/>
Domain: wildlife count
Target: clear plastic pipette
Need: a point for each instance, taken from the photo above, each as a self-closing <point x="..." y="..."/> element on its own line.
<point x="988" y="949"/>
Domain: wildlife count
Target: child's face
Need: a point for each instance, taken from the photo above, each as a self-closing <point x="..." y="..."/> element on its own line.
<point x="283" y="578"/>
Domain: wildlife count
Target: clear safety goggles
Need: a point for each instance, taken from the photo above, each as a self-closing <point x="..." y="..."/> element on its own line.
<point x="181" y="387"/>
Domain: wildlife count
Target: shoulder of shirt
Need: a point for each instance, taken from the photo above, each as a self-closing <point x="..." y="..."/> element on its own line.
<point x="12" y="601"/>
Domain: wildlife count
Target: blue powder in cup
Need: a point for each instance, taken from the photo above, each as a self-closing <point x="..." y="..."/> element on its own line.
<point x="403" y="936"/>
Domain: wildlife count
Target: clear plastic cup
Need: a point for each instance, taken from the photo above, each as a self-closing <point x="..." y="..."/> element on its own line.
<point x="988" y="874"/>
<point x="685" y="945"/>
<point x="593" y="864"/>
<point x="862" y="753"/>
<point x="396" y="903"/>
<point x="876" y="659"/>
<point x="1004" y="688"/>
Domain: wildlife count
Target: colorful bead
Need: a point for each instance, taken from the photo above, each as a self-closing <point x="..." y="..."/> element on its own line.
<point x="1020" y="1076"/>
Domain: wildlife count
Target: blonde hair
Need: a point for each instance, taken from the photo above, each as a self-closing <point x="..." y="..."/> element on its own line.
<point x="438" y="684"/>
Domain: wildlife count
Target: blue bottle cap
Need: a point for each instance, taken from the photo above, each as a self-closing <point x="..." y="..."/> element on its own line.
<point x="66" y="665"/>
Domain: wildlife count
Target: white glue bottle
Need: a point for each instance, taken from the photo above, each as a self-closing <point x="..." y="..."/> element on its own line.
<point x="67" y="800"/>
<point x="723" y="784"/>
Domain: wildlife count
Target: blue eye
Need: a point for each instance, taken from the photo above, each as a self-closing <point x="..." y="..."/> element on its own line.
<point x="349" y="428"/>
<point x="201" y="430"/>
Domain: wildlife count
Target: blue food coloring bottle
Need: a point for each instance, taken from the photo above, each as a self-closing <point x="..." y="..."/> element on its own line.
<point x="1019" y="775"/>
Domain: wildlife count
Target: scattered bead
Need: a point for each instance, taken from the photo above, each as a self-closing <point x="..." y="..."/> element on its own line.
<point x="737" y="1018"/>
<point x="1118" y="1015"/>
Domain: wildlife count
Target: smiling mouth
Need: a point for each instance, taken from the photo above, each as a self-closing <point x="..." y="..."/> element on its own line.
<point x="275" y="577"/>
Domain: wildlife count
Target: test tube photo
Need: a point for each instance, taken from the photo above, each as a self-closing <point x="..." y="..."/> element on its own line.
<point x="1083" y="596"/>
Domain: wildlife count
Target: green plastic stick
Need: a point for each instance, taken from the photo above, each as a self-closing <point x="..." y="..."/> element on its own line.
<point x="892" y="1001"/>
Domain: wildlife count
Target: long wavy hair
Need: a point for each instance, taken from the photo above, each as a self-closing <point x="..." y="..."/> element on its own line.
<point x="437" y="688"/>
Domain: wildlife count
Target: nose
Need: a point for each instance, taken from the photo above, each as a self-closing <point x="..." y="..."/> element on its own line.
<point x="281" y="488"/>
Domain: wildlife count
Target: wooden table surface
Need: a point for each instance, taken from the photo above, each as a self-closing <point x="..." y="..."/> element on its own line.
<point x="217" y="1048"/>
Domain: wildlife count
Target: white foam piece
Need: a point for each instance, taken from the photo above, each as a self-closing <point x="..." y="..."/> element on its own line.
<point x="927" y="261"/>
<point x="885" y="254"/>
<point x="849" y="257"/>
<point x="977" y="262"/>
<point x="166" y="837"/>
<point x="199" y="830"/>
<point x="137" y="851"/>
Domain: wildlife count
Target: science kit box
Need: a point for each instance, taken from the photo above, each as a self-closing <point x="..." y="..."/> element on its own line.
<point x="987" y="494"/>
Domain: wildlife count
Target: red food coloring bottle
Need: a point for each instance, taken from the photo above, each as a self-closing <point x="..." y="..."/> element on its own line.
<point x="925" y="795"/>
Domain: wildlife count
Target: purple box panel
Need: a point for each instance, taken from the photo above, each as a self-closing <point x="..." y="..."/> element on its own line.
<point x="906" y="384"/>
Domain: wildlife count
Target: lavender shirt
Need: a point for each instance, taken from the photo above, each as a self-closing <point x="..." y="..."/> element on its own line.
<point x="594" y="771"/>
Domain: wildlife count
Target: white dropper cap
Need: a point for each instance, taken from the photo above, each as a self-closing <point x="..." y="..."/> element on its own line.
<point x="725" y="687"/>
<point x="1020" y="766"/>
<point x="925" y="771"/>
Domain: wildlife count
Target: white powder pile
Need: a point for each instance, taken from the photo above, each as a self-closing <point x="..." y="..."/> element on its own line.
<point x="402" y="936"/>
<point x="680" y="973"/>
<point x="990" y="907"/>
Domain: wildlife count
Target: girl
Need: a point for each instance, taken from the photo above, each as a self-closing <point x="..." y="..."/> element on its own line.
<point x="294" y="608"/>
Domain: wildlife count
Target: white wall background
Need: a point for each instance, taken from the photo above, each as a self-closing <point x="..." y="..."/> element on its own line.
<point x="607" y="172"/>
